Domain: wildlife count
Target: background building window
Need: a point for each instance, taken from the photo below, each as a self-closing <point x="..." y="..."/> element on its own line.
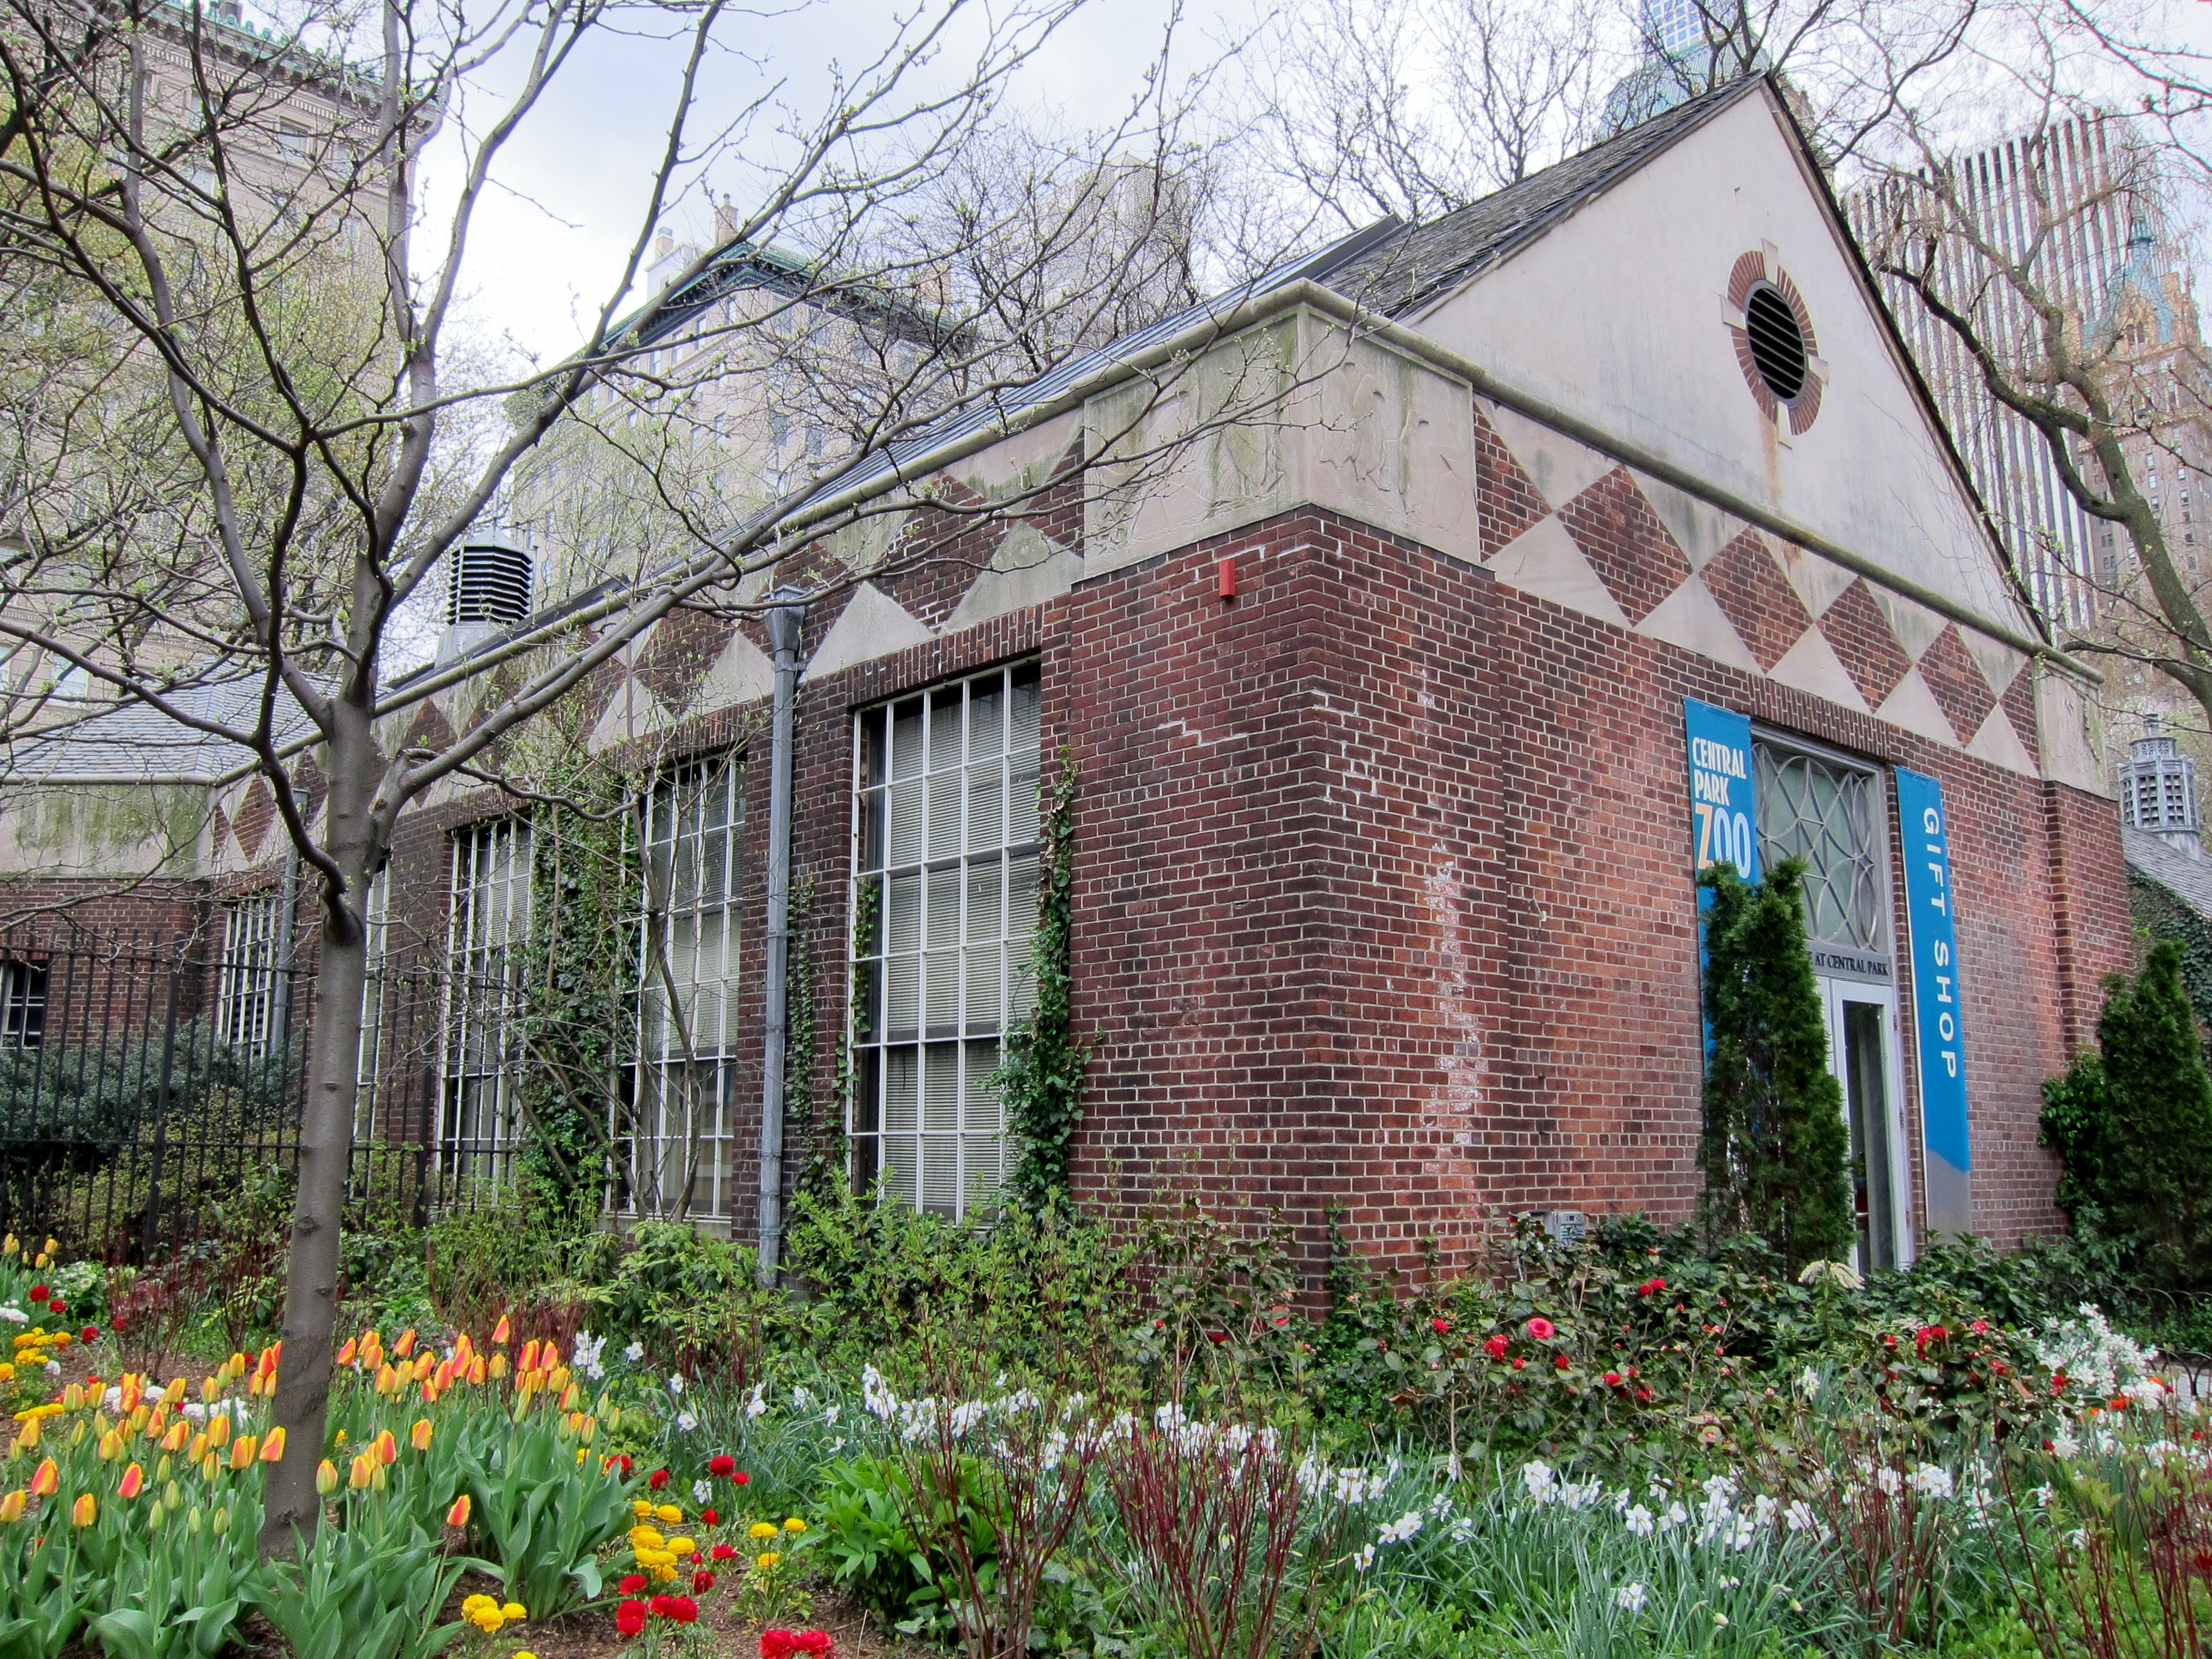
<point x="249" y="1011"/>
<point x="945" y="902"/>
<point x="22" y="1004"/>
<point x="490" y="925"/>
<point x="376" y="907"/>
<point x="681" y="1145"/>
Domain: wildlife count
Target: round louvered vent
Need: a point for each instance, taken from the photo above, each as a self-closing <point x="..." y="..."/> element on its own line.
<point x="1777" y="343"/>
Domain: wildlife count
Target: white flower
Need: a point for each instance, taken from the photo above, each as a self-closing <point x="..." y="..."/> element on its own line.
<point x="14" y="1316"/>
<point x="585" y="1355"/>
<point x="1639" y="1522"/>
<point x="1889" y="1480"/>
<point x="634" y="1353"/>
<point x="1675" y="1516"/>
<point x="686" y="1422"/>
<point x="1798" y="1518"/>
<point x="1462" y="1530"/>
<point x="2064" y="1441"/>
<point x="756" y="1405"/>
<point x="701" y="1491"/>
<point x="1536" y="1482"/>
<point x="830" y="1414"/>
<point x="1396" y="1532"/>
<point x="1631" y="1596"/>
<point x="1931" y="1481"/>
<point x="53" y="1368"/>
<point x="801" y="1400"/>
<point x="1365" y="1559"/>
<point x="2146" y="1391"/>
<point x="1809" y="1383"/>
<point x="1720" y="1618"/>
<point x="676" y="1382"/>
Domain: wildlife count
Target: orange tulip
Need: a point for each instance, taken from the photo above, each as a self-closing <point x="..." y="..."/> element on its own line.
<point x="218" y="1430"/>
<point x="110" y="1447"/>
<point x="11" y="1506"/>
<point x="442" y="1378"/>
<point x="386" y="1448"/>
<point x="346" y="1354"/>
<point x="180" y="1431"/>
<point x="364" y="1471"/>
<point x="425" y="1362"/>
<point x="84" y="1512"/>
<point x="501" y="1332"/>
<point x="241" y="1452"/>
<point x="549" y="1356"/>
<point x="47" y="1480"/>
<point x="174" y="1394"/>
<point x="478" y="1370"/>
<point x="273" y="1448"/>
<point x="134" y="1482"/>
<point x="405" y="1344"/>
<point x="529" y="1360"/>
<point x="132" y="1393"/>
<point x="371" y="1351"/>
<point x="459" y="1515"/>
<point x="27" y="1437"/>
<point x="386" y="1380"/>
<point x="421" y="1434"/>
<point x="198" y="1448"/>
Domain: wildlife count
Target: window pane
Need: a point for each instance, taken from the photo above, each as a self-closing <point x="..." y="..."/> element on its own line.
<point x="953" y="924"/>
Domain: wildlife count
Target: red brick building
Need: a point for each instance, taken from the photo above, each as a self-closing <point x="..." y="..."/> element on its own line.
<point x="1599" y="526"/>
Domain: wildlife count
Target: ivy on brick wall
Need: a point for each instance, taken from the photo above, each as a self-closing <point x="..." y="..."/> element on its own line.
<point x="2160" y="914"/>
<point x="1041" y="1081"/>
<point x="819" y="1134"/>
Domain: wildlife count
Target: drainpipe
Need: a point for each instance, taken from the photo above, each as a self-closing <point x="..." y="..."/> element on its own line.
<point x="785" y="619"/>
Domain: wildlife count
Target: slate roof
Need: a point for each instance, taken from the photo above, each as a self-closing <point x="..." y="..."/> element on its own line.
<point x="2188" y="880"/>
<point x="1397" y="275"/>
<point x="133" y="740"/>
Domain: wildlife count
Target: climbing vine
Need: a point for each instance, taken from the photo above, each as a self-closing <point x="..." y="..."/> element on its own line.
<point x="2159" y="914"/>
<point x="1040" y="1080"/>
<point x="821" y="1167"/>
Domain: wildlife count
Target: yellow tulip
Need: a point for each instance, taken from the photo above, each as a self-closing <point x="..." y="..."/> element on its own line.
<point x="364" y="1467"/>
<point x="241" y="1452"/>
<point x="48" y="1479"/>
<point x="133" y="1483"/>
<point x="84" y="1512"/>
<point x="110" y="1447"/>
<point x="326" y="1477"/>
<point x="11" y="1506"/>
<point x="459" y="1515"/>
<point x="421" y="1435"/>
<point x="218" y="1432"/>
<point x="273" y="1448"/>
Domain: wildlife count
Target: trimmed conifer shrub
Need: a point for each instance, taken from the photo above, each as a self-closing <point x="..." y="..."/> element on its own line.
<point x="1775" y="1144"/>
<point x="2133" y="1124"/>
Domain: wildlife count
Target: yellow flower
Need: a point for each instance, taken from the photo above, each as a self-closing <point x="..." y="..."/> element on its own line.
<point x="794" y="1524"/>
<point x="766" y="1561"/>
<point x="680" y="1546"/>
<point x="472" y="1605"/>
<point x="668" y="1515"/>
<point x="760" y="1529"/>
<point x="641" y="1510"/>
<point x="645" y="1537"/>
<point x="515" y="1612"/>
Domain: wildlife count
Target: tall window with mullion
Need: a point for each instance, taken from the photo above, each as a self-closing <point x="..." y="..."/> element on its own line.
<point x="489" y="927"/>
<point x="944" y="903"/>
<point x="249" y="1015"/>
<point x="682" y="1141"/>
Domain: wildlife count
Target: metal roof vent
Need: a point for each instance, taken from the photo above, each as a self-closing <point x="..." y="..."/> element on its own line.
<point x="487" y="589"/>
<point x="1777" y="342"/>
<point x="2158" y="790"/>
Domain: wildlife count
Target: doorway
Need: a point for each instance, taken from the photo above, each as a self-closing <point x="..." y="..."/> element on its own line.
<point x="1862" y="1052"/>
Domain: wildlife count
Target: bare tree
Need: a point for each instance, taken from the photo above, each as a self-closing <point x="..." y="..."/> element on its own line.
<point x="2038" y="215"/>
<point x="276" y="305"/>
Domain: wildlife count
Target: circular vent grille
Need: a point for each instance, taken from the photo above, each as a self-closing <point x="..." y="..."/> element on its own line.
<point x="1777" y="343"/>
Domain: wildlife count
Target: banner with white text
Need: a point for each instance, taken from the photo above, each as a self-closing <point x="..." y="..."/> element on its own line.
<point x="1936" y="1004"/>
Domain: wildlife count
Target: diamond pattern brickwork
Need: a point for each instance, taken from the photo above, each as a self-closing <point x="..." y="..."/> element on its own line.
<point x="679" y="654"/>
<point x="1863" y="642"/>
<point x="1506" y="503"/>
<point x="1757" y="597"/>
<point x="1952" y="674"/>
<point x="1625" y="543"/>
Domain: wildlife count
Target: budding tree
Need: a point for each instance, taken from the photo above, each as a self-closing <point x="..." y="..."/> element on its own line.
<point x="268" y="427"/>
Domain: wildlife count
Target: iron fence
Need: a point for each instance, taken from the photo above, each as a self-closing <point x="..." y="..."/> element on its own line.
<point x="151" y="1092"/>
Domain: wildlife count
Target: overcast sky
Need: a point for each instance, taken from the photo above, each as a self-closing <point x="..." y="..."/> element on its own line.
<point x="546" y="247"/>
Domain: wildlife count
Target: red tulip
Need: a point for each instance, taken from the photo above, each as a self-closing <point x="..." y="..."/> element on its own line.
<point x="58" y="1307"/>
<point x="683" y="1609"/>
<point x="656" y="1479"/>
<point x="39" y="1293"/>
<point x="709" y="1518"/>
<point x="702" y="1580"/>
<point x="629" y="1618"/>
<point x="89" y="1333"/>
<point x="741" y="1477"/>
<point x="722" y="1463"/>
<point x="632" y="1584"/>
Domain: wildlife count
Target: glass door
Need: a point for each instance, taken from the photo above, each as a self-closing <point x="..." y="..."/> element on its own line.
<point x="1862" y="1052"/>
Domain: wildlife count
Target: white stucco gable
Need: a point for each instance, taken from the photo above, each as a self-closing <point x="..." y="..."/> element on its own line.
<point x="1618" y="315"/>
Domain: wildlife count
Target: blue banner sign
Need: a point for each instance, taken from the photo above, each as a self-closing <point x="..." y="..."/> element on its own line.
<point x="1936" y="1001"/>
<point x="1722" y="818"/>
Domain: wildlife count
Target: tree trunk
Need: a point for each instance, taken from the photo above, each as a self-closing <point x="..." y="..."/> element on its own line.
<point x="291" y="1507"/>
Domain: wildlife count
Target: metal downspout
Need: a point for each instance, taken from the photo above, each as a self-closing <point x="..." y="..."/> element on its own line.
<point x="784" y="620"/>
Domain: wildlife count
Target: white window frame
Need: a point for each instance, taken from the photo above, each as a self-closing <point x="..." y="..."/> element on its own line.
<point x="487" y="928"/>
<point x="249" y="999"/>
<point x="23" y="992"/>
<point x="678" y="1157"/>
<point x="944" y="901"/>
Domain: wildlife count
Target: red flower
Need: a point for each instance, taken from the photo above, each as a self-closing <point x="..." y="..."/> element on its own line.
<point x="1495" y="1347"/>
<point x="1613" y="1379"/>
<point x="1440" y="1324"/>
<point x="784" y="1644"/>
<point x="1217" y="1337"/>
<point x="1518" y="1363"/>
<point x="57" y="1306"/>
<point x="2050" y="1445"/>
<point x="1887" y="1341"/>
<point x="1978" y="1327"/>
<point x="89" y="1333"/>
<point x="722" y="1463"/>
<point x="724" y="1553"/>
<point x="1927" y="1334"/>
<point x="656" y="1479"/>
<point x="629" y="1618"/>
<point x="39" y="1293"/>
<point x="622" y="1458"/>
<point x="1644" y="1395"/>
<point x="1541" y="1329"/>
<point x="702" y="1580"/>
<point x="1559" y="1360"/>
<point x="683" y="1609"/>
<point x="632" y="1584"/>
<point x="709" y="1518"/>
<point x="740" y="1477"/>
<point x="660" y="1605"/>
